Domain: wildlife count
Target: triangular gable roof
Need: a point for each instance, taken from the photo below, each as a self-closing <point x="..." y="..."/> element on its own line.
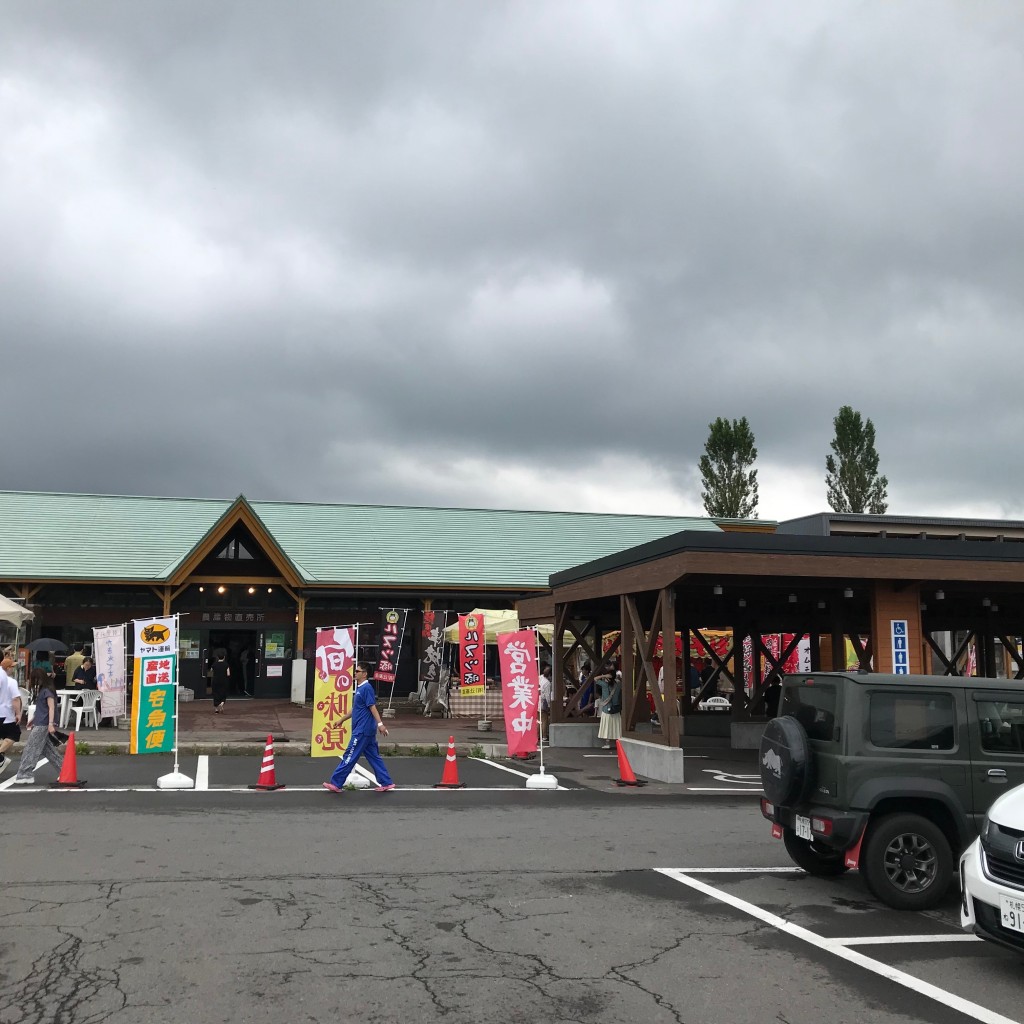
<point x="240" y="511"/>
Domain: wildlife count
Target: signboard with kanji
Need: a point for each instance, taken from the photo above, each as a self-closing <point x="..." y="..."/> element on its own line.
<point x="332" y="690"/>
<point x="155" y="678"/>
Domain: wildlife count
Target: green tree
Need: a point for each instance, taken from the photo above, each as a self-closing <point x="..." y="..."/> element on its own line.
<point x="730" y="486"/>
<point x="853" y="481"/>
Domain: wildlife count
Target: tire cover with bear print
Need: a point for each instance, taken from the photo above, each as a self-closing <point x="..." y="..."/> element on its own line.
<point x="785" y="761"/>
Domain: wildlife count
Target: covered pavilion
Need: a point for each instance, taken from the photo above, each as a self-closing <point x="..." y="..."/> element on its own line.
<point x="892" y="598"/>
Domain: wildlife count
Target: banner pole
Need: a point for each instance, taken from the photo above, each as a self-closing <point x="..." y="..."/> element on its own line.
<point x="176" y="779"/>
<point x="540" y="780"/>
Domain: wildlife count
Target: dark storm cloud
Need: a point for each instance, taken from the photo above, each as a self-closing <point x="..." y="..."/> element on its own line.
<point x="360" y="252"/>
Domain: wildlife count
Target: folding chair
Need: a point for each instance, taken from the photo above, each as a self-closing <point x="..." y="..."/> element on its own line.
<point x="90" y="699"/>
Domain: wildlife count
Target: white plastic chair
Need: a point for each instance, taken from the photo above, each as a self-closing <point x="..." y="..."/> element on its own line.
<point x="90" y="699"/>
<point x="26" y="701"/>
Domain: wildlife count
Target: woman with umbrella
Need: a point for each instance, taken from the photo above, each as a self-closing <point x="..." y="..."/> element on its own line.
<point x="44" y="648"/>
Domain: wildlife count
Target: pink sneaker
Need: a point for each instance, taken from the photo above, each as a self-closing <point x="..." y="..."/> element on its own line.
<point x="385" y="789"/>
<point x="332" y="787"/>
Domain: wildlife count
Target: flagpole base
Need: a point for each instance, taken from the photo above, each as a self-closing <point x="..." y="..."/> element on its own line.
<point x="542" y="781"/>
<point x="175" y="780"/>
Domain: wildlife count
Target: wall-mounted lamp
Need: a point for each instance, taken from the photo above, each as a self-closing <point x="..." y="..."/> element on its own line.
<point x="717" y="590"/>
<point x="270" y="590"/>
<point x="995" y="607"/>
<point x="940" y="595"/>
<point x="986" y="601"/>
<point x="821" y="605"/>
<point x="792" y="598"/>
<point x="221" y="589"/>
<point x="742" y="602"/>
<point x="201" y="589"/>
<point x="252" y="590"/>
<point x="848" y="592"/>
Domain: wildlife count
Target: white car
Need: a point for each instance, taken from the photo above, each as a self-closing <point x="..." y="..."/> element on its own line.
<point x="992" y="875"/>
<point x="715" y="704"/>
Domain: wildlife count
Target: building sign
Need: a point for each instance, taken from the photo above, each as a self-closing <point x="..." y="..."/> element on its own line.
<point x="900" y="649"/>
<point x="471" y="655"/>
<point x="155" y="679"/>
<point x="392" y="630"/>
<point x="520" y="689"/>
<point x="332" y="690"/>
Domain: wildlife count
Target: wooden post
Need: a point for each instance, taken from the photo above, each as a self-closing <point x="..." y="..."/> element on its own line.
<point x="629" y="699"/>
<point x="670" y="726"/>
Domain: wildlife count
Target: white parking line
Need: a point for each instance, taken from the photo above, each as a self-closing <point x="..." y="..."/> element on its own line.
<point x="10" y="781"/>
<point x="151" y="788"/>
<point x="505" y="768"/>
<point x="900" y="940"/>
<point x="203" y="772"/>
<point x="924" y="988"/>
<point x="723" y="789"/>
<point x="742" y="871"/>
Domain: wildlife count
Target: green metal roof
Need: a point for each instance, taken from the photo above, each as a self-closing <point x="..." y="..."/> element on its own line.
<point x="99" y="536"/>
<point x="384" y="544"/>
<point x="114" y="537"/>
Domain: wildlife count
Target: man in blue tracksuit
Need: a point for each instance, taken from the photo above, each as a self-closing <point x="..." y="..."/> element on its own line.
<point x="366" y="722"/>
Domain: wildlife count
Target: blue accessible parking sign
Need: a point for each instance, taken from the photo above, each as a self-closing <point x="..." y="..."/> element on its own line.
<point x="900" y="651"/>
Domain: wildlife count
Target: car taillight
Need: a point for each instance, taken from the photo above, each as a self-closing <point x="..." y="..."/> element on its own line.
<point x="823" y="826"/>
<point x="767" y="809"/>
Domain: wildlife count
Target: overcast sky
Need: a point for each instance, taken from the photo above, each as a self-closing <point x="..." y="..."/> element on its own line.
<point x="510" y="254"/>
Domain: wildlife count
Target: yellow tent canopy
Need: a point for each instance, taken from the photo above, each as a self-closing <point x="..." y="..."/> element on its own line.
<point x="496" y="620"/>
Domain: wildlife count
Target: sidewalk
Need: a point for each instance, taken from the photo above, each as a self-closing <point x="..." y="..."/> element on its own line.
<point x="243" y="727"/>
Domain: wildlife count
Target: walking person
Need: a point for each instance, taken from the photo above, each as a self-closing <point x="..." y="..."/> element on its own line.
<point x="610" y="686"/>
<point x="366" y="723"/>
<point x="40" y="729"/>
<point x="220" y="676"/>
<point x="546" y="695"/>
<point x="10" y="710"/>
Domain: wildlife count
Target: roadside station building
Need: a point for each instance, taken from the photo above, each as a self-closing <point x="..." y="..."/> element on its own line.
<point x="258" y="578"/>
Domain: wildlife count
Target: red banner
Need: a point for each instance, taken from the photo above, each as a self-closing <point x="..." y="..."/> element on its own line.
<point x="471" y="655"/>
<point x="520" y="689"/>
<point x="332" y="690"/>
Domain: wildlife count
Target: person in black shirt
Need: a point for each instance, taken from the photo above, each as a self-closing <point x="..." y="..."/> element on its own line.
<point x="85" y="675"/>
<point x="220" y="673"/>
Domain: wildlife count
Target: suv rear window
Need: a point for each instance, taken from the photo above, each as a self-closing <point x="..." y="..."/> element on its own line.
<point x="911" y="721"/>
<point x="813" y="706"/>
<point x="1002" y="726"/>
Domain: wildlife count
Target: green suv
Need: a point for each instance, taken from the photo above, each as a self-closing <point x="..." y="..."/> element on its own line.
<point x="891" y="774"/>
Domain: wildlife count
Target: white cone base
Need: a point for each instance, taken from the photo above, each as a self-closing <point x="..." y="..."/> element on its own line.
<point x="358" y="781"/>
<point x="176" y="780"/>
<point x="542" y="781"/>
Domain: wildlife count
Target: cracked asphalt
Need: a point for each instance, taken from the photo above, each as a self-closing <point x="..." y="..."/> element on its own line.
<point x="408" y="907"/>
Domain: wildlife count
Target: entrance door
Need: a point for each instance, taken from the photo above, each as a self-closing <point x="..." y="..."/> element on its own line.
<point x="241" y="647"/>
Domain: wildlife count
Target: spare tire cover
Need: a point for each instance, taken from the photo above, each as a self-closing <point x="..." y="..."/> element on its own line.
<point x="785" y="760"/>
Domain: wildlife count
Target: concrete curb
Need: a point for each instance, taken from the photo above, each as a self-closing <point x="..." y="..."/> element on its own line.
<point x="255" y="749"/>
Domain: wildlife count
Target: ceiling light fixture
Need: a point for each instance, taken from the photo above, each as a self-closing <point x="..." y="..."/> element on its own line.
<point x="940" y="595"/>
<point x="986" y="601"/>
<point x="848" y="592"/>
<point x="717" y="590"/>
<point x="792" y="598"/>
<point x="201" y="589"/>
<point x="221" y="589"/>
<point x="252" y="590"/>
<point x="270" y="590"/>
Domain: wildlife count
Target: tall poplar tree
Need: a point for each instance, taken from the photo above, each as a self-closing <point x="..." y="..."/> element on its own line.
<point x="730" y="486"/>
<point x="852" y="479"/>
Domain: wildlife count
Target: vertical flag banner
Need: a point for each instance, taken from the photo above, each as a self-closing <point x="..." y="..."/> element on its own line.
<point x="392" y="630"/>
<point x="429" y="676"/>
<point x="520" y="689"/>
<point x="155" y="676"/>
<point x="471" y="655"/>
<point x="332" y="690"/>
<point x="108" y="656"/>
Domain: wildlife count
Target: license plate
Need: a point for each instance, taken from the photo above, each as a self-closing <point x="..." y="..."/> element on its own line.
<point x="803" y="827"/>
<point x="1011" y="913"/>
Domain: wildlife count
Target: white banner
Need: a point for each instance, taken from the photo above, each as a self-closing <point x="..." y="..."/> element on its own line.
<point x="108" y="652"/>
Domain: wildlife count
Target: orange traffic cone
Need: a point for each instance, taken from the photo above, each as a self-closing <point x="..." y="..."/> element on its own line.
<point x="450" y="775"/>
<point x="627" y="778"/>
<point x="68" y="778"/>
<point x="268" y="777"/>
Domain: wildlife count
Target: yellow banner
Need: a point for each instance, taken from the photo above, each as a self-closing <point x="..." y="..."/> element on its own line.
<point x="332" y="691"/>
<point x="471" y="691"/>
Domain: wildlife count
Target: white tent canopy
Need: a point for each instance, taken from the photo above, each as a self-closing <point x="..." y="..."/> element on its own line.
<point x="16" y="614"/>
<point x="496" y="621"/>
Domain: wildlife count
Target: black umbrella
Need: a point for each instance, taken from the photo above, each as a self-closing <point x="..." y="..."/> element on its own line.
<point x="47" y="643"/>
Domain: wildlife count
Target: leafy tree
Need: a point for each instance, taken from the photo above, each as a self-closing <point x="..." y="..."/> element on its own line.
<point x="853" y="481"/>
<point x="730" y="490"/>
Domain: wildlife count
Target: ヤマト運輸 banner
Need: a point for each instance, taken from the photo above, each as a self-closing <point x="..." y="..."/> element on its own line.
<point x="155" y="677"/>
